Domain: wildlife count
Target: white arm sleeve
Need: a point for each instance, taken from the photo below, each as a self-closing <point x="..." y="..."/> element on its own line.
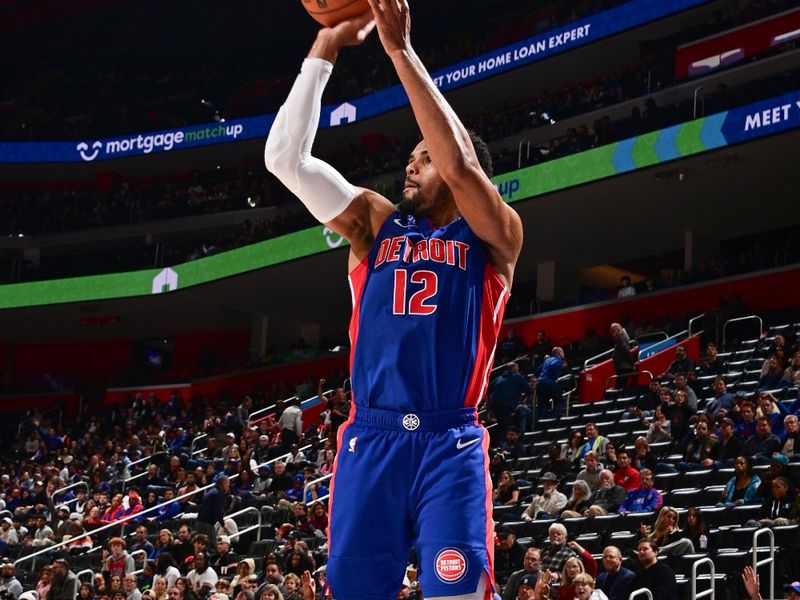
<point x="287" y="154"/>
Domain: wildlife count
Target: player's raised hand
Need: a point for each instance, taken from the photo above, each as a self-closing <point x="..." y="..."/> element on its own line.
<point x="393" y="19"/>
<point x="350" y="32"/>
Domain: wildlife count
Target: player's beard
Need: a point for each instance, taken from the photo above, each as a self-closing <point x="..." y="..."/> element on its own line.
<point x="409" y="203"/>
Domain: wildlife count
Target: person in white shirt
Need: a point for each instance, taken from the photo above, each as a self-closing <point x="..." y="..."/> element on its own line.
<point x="549" y="504"/>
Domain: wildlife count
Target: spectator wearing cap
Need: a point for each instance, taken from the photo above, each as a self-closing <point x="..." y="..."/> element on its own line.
<point x="615" y="578"/>
<point x="728" y="446"/>
<point x="527" y="575"/>
<point x="10" y="581"/>
<point x="29" y="595"/>
<point x="295" y="493"/>
<point x="231" y="448"/>
<point x="65" y="582"/>
<point x="263" y="451"/>
<point x="509" y="554"/>
<point x="526" y="589"/>
<point x="225" y="556"/>
<point x="549" y="503"/>
<point x="58" y="522"/>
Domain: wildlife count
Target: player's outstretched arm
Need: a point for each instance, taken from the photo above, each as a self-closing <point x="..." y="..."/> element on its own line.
<point x="448" y="142"/>
<point x="353" y="212"/>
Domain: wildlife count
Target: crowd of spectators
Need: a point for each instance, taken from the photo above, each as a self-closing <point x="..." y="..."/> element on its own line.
<point x="178" y="500"/>
<point x="688" y="420"/>
<point x="139" y="456"/>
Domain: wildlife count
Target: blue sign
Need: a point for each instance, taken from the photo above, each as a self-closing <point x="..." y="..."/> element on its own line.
<point x="545" y="45"/>
<point x="762" y="118"/>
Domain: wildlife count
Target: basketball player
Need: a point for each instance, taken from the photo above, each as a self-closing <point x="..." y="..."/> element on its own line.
<point x="429" y="281"/>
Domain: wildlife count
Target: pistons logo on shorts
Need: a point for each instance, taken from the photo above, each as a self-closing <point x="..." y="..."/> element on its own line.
<point x="451" y="565"/>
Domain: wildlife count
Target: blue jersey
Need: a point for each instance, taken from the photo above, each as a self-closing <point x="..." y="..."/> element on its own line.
<point x="427" y="308"/>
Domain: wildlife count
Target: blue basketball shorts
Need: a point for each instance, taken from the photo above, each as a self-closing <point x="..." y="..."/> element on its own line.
<point x="416" y="480"/>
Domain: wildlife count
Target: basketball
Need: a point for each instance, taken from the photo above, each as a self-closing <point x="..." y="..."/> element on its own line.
<point x="331" y="12"/>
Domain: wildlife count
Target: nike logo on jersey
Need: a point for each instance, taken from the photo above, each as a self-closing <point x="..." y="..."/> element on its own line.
<point x="461" y="444"/>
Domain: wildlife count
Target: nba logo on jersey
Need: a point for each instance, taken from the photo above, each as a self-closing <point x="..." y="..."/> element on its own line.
<point x="353" y="441"/>
<point x="451" y="565"/>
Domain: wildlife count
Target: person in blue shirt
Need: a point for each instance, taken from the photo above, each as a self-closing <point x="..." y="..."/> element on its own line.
<point x="170" y="508"/>
<point x="506" y="391"/>
<point x="547" y="387"/>
<point x="643" y="499"/>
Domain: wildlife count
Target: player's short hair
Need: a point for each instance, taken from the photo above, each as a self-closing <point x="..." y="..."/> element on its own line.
<point x="482" y="152"/>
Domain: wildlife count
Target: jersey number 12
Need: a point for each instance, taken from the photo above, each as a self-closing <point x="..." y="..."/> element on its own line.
<point x="416" y="303"/>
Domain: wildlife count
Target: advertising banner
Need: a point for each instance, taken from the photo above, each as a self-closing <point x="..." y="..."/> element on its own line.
<point x="749" y="122"/>
<point x="556" y="41"/>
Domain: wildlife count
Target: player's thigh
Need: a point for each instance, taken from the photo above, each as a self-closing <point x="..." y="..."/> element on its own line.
<point x="369" y="531"/>
<point x="454" y="534"/>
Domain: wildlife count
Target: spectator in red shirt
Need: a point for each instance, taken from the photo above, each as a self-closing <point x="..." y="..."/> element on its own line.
<point x="625" y="475"/>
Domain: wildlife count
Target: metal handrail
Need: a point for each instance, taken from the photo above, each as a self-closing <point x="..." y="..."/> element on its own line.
<point x="194" y="440"/>
<point x="84" y="572"/>
<point x="712" y="590"/>
<point x="654" y="333"/>
<point x="55" y="409"/>
<point x="137" y="462"/>
<point x="766" y="561"/>
<point x="633" y="343"/>
<point x="628" y="374"/>
<point x="146" y="458"/>
<point x="747" y="318"/>
<point x="568" y="393"/>
<point x="310" y="484"/>
<point x="256" y="527"/>
<point x="641" y="592"/>
<point x="251" y="418"/>
<point x="60" y="491"/>
<point x="135" y="553"/>
<point x="122" y="521"/>
<point x="692" y="320"/>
